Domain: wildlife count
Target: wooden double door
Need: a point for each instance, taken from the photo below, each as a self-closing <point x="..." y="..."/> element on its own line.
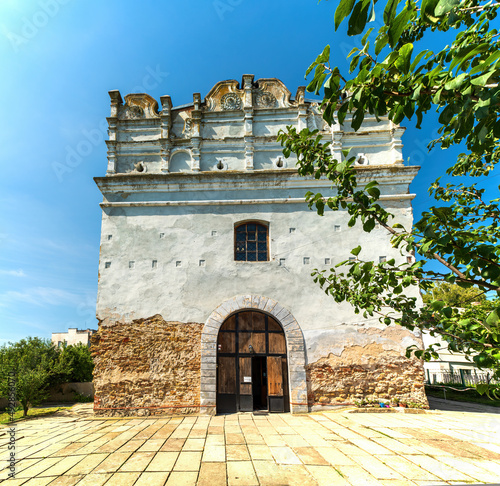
<point x="251" y="364"/>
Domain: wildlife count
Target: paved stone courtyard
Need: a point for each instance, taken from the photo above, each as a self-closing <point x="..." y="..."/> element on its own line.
<point x="329" y="448"/>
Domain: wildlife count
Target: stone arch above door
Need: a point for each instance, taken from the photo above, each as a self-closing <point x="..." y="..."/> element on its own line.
<point x="294" y="342"/>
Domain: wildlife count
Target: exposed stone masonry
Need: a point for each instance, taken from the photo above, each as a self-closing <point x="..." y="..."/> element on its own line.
<point x="368" y="373"/>
<point x="147" y="367"/>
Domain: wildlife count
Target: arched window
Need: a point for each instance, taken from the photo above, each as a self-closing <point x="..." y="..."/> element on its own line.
<point x="251" y="242"/>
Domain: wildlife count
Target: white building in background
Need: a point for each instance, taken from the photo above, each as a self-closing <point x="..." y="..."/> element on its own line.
<point x="205" y="301"/>
<point x="451" y="367"/>
<point x="73" y="336"/>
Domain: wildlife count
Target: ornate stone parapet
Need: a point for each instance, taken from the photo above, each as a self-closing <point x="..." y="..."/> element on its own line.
<point x="336" y="146"/>
<point x="166" y="125"/>
<point x="196" y="132"/>
<point x="247" y="87"/>
<point x="116" y="103"/>
<point x="397" y="145"/>
<point x="302" y="108"/>
<point x="111" y="144"/>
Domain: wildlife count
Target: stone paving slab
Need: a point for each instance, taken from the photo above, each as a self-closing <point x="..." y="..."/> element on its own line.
<point x="327" y="448"/>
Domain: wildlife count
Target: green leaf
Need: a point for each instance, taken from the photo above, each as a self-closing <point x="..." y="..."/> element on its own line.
<point x="355" y="251"/>
<point x="369" y="224"/>
<point x="418" y="58"/>
<point x="427" y="10"/>
<point x="404" y="60"/>
<point x="482" y="80"/>
<point x="380" y="43"/>
<point x="442" y="213"/>
<point x="397" y="26"/>
<point x="365" y="37"/>
<point x="322" y="58"/>
<point x="371" y="13"/>
<point x="374" y="192"/>
<point x="444" y="6"/>
<point x="325" y="55"/>
<point x="390" y="11"/>
<point x="486" y="63"/>
<point x="493" y="318"/>
<point x="455" y="82"/>
<point x="354" y="63"/>
<point x="359" y="17"/>
<point x="371" y="184"/>
<point x="310" y="68"/>
<point x="342" y="11"/>
<point x="437" y="305"/>
<point x="467" y="53"/>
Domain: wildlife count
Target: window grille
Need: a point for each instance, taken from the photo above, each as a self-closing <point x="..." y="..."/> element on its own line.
<point x="251" y="243"/>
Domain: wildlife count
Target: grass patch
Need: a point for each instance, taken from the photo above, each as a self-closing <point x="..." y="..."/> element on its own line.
<point x="32" y="413"/>
<point x="471" y="396"/>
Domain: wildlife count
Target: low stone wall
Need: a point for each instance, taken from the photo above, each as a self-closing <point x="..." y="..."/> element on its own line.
<point x="65" y="392"/>
<point x="374" y="371"/>
<point x="147" y="367"/>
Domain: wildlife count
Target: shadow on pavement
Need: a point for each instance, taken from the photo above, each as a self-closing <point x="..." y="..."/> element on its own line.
<point x="452" y="406"/>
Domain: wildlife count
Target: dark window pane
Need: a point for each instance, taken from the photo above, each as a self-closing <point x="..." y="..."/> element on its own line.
<point x="251" y="242"/>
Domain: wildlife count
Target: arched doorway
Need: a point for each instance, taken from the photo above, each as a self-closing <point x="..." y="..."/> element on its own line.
<point x="295" y="347"/>
<point x="251" y="364"/>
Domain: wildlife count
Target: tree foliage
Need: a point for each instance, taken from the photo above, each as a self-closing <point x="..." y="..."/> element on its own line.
<point x="389" y="77"/>
<point x="76" y="361"/>
<point x="36" y="364"/>
<point x="454" y="295"/>
<point x="33" y="361"/>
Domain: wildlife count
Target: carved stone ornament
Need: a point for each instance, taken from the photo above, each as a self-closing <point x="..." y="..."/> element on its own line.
<point x="188" y="125"/>
<point x="231" y="101"/>
<point x="265" y="99"/>
<point x="138" y="106"/>
<point x="315" y="118"/>
<point x="140" y="167"/>
<point x="133" y="112"/>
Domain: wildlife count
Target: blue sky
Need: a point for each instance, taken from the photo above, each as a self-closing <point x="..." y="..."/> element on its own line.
<point x="60" y="58"/>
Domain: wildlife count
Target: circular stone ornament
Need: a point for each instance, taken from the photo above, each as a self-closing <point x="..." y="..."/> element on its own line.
<point x="231" y="101"/>
<point x="136" y="112"/>
<point x="265" y="99"/>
